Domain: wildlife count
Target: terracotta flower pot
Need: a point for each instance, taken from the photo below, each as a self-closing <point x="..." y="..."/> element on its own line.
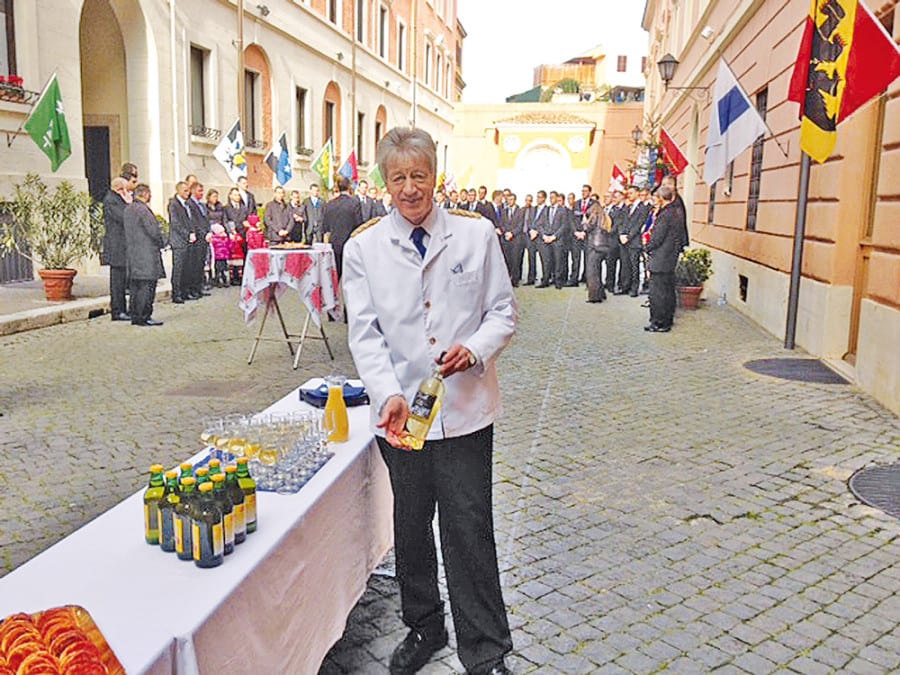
<point x="689" y="296"/>
<point x="58" y="283"/>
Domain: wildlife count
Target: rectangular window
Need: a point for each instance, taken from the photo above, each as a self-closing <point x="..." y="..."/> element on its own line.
<point x="756" y="163"/>
<point x="379" y="132"/>
<point x="383" y="32"/>
<point x="300" y="100"/>
<point x="360" y="135"/>
<point x="7" y="39"/>
<point x="438" y="71"/>
<point x="333" y="11"/>
<point x="360" y="20"/>
<point x="198" y="89"/>
<point x="711" y="211"/>
<point x="401" y="46"/>
<point x="447" y="81"/>
<point x="329" y="121"/>
<point x="621" y="64"/>
<point x="252" y="109"/>
<point x="643" y="64"/>
<point x="427" y="63"/>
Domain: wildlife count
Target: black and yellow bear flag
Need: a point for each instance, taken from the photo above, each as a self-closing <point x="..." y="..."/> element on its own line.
<point x="846" y="58"/>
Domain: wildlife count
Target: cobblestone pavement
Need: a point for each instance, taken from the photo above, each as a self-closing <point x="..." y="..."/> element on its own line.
<point x="657" y="505"/>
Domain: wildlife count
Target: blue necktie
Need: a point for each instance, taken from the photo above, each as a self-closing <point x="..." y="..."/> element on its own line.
<point x="418" y="240"/>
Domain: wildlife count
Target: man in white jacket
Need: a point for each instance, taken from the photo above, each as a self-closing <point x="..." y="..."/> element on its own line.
<point x="426" y="286"/>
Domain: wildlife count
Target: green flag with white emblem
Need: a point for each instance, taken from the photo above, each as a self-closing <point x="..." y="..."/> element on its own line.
<point x="47" y="125"/>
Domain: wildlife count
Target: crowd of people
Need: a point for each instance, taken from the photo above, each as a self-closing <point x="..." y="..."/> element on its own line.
<point x="613" y="244"/>
<point x="210" y="237"/>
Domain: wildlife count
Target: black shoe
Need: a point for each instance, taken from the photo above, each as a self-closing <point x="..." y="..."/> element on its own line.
<point x="204" y="294"/>
<point x="178" y="301"/>
<point x="191" y="296"/>
<point x="633" y="294"/>
<point x="542" y="285"/>
<point x="528" y="283"/>
<point x="659" y="329"/>
<point x="620" y="292"/>
<point x="650" y="327"/>
<point x="152" y="322"/>
<point x="121" y="316"/>
<point x="499" y="669"/>
<point x="416" y="650"/>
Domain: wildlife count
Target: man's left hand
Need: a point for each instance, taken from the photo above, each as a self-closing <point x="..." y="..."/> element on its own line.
<point x="456" y="360"/>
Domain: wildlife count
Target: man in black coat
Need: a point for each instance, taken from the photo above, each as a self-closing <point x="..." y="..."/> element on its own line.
<point x="181" y="236"/>
<point x="278" y="218"/>
<point x="663" y="250"/>
<point x="247" y="197"/>
<point x="483" y="206"/>
<point x="144" y="241"/>
<point x="341" y="216"/>
<point x="512" y="239"/>
<point x="617" y="214"/>
<point x="366" y="203"/>
<point x="635" y="216"/>
<point x="199" y="247"/>
<point x="579" y="235"/>
<point x="312" y="209"/>
<point x="114" y="248"/>
<point x="556" y="234"/>
<point x="530" y="245"/>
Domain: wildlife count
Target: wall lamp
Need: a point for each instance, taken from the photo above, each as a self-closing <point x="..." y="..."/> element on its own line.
<point x="636" y="134"/>
<point x="667" y="66"/>
<point x="263" y="10"/>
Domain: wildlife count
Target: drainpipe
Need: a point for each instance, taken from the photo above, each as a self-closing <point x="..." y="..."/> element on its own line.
<point x="176" y="149"/>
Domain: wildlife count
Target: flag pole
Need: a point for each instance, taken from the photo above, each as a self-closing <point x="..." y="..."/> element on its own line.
<point x="10" y="137"/>
<point x="790" y="330"/>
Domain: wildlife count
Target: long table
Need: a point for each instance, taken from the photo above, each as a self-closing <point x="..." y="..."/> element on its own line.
<point x="276" y="605"/>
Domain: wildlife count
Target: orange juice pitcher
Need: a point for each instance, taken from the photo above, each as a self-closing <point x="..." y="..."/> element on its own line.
<point x="336" y="422"/>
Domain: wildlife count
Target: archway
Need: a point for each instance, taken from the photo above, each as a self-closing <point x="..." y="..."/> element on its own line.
<point x="542" y="165"/>
<point x="381" y="126"/>
<point x="257" y="124"/>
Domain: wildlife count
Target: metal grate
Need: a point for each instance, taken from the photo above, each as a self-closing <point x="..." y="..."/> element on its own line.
<point x="798" y="370"/>
<point x="879" y="487"/>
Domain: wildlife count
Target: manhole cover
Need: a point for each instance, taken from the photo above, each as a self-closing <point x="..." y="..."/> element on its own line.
<point x="211" y="389"/>
<point x="878" y="486"/>
<point x="799" y="370"/>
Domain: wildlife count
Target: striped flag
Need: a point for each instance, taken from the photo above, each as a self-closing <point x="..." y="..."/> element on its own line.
<point x="672" y="153"/>
<point x="279" y="160"/>
<point x="350" y="169"/>
<point x="846" y="58"/>
<point x="323" y="165"/>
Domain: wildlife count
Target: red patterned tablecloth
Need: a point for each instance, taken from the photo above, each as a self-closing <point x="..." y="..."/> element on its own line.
<point x="310" y="272"/>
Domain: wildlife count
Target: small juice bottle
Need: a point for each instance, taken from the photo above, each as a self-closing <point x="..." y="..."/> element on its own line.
<point x="336" y="422"/>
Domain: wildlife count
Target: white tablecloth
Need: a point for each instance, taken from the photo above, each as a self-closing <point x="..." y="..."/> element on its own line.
<point x="276" y="605"/>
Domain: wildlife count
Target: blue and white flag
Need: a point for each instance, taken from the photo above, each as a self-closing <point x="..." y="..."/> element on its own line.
<point x="734" y="123"/>
<point x="230" y="152"/>
<point x="279" y="160"/>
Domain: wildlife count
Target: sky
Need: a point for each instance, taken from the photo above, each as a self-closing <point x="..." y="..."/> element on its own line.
<point x="507" y="39"/>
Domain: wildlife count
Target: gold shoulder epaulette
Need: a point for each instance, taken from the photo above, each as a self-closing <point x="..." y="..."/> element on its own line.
<point x="463" y="212"/>
<point x="365" y="226"/>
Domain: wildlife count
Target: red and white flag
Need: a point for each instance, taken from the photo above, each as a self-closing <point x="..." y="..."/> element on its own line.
<point x="673" y="155"/>
<point x="617" y="181"/>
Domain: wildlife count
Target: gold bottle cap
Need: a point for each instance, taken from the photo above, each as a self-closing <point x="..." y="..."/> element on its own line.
<point x="206" y="487"/>
<point x="171" y="474"/>
<point x="187" y="466"/>
<point x="218" y="478"/>
<point x="190" y="480"/>
<point x="241" y="460"/>
<point x="157" y="468"/>
<point x="214" y="462"/>
<point x="202" y="471"/>
<point x="230" y="469"/>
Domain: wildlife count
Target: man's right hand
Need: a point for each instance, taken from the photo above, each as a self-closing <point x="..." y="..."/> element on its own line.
<point x="394" y="414"/>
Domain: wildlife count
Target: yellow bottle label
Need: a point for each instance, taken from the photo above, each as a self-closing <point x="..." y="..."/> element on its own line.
<point x="240" y="518"/>
<point x="250" y="508"/>
<point x="179" y="535"/>
<point x="146" y="519"/>
<point x="229" y="527"/>
<point x="195" y="540"/>
<point x="218" y="539"/>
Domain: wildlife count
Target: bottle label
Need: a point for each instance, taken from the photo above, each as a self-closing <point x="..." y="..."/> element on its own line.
<point x="218" y="540"/>
<point x="179" y="534"/>
<point x="195" y="540"/>
<point x="250" y="508"/>
<point x="240" y="518"/>
<point x="208" y="542"/>
<point x="151" y="519"/>
<point x="422" y="405"/>
<point x="166" y="528"/>
<point x="229" y="527"/>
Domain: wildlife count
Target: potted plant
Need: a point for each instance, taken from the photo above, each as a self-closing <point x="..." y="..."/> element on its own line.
<point x="693" y="269"/>
<point x="53" y="228"/>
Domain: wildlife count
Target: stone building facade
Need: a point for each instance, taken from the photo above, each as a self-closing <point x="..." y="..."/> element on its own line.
<point x="849" y="311"/>
<point x="155" y="82"/>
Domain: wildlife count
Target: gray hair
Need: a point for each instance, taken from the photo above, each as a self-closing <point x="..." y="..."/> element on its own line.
<point x="142" y="191"/>
<point x="405" y="142"/>
<point x="666" y="193"/>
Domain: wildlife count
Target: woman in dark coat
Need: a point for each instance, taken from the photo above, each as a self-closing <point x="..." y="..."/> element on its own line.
<point x="598" y="241"/>
<point x="236" y="213"/>
<point x="214" y="209"/>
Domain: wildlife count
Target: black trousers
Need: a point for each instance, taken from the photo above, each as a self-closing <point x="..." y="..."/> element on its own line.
<point x="117" y="277"/>
<point x="578" y="254"/>
<point x="531" y="252"/>
<point x="453" y="474"/>
<point x="612" y="265"/>
<point x="593" y="272"/>
<point x="547" y="262"/>
<point x="197" y="263"/>
<point x="143" y="292"/>
<point x="629" y="276"/>
<point x="662" y="298"/>
<point x="180" y="272"/>
<point x="512" y="256"/>
<point x="560" y="264"/>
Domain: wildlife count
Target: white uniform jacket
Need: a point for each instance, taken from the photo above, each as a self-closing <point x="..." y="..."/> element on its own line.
<point x="403" y="311"/>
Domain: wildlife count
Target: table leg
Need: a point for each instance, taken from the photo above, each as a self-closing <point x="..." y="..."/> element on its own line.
<point x="302" y="340"/>
<point x="325" y="338"/>
<point x="262" y="324"/>
<point x="287" y="337"/>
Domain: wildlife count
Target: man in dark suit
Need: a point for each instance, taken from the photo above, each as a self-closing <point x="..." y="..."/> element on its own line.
<point x="663" y="250"/>
<point x="278" y="219"/>
<point x="530" y="246"/>
<point x="671" y="182"/>
<point x="114" y="253"/>
<point x="512" y="239"/>
<point x="617" y="212"/>
<point x="538" y="230"/>
<point x="181" y="236"/>
<point x="199" y="247"/>
<point x="341" y="216"/>
<point x="144" y="242"/>
<point x="247" y="198"/>
<point x="556" y="235"/>
<point x="366" y="203"/>
<point x="580" y="212"/>
<point x="635" y="216"/>
<point x="483" y="206"/>
<point x="378" y="208"/>
<point x="491" y="209"/>
<point x="312" y="209"/>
